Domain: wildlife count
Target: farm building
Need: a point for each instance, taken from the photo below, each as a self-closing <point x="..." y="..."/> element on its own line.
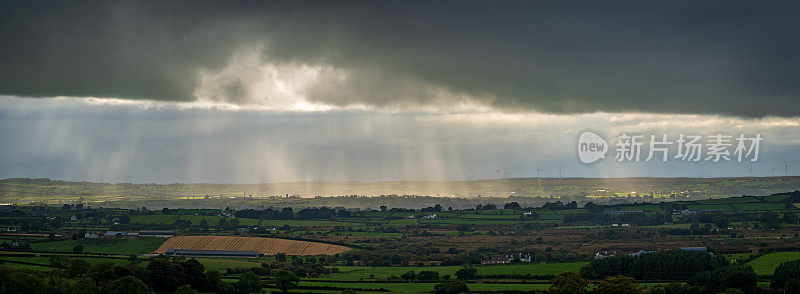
<point x="212" y="253"/>
<point x="114" y="234"/>
<point x="520" y="257"/>
<point x="157" y="233"/>
<point x="496" y="260"/>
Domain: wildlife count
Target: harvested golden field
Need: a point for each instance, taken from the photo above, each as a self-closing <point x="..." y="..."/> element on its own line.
<point x="269" y="246"/>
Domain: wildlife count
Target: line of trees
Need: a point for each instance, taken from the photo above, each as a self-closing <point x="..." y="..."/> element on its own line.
<point x="663" y="265"/>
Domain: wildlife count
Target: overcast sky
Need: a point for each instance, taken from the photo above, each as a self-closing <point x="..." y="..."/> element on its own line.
<point x="272" y="91"/>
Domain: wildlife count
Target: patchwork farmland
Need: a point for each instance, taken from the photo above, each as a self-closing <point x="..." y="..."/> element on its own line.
<point x="509" y="246"/>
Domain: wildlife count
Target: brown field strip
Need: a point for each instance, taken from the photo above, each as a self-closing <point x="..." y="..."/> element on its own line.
<point x="269" y="246"/>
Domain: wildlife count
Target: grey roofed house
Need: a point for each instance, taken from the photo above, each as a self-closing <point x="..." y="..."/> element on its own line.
<point x="114" y="234"/>
<point x="212" y="253"/>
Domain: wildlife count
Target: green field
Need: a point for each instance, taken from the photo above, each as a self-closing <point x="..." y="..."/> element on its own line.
<point x="107" y="246"/>
<point x="748" y="199"/>
<point x="382" y="273"/>
<point x="722" y="207"/>
<point x="767" y="263"/>
<point x="760" y="206"/>
<point x="644" y="207"/>
<point x="41" y="260"/>
<point x="739" y="256"/>
<point x="226" y="263"/>
<point x="531" y="268"/>
<point x="154" y="219"/>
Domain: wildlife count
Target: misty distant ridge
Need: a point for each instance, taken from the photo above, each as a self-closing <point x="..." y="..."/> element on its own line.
<point x="566" y="188"/>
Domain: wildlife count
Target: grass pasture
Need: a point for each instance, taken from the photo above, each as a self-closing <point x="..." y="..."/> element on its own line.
<point x="531" y="268"/>
<point x="383" y="273"/>
<point x="767" y="263"/>
<point x="225" y="263"/>
<point x="721" y="207"/>
<point x="106" y="246"/>
<point x="760" y="206"/>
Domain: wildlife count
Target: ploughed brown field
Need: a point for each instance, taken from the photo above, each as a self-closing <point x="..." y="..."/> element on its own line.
<point x="269" y="246"/>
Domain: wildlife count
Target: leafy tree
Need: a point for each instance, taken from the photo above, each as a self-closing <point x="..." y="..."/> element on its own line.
<point x="194" y="273"/>
<point x="428" y="275"/>
<point x="467" y="273"/>
<point x="124" y="219"/>
<point x="790" y="217"/>
<point x="83" y="285"/>
<point x="281" y="257"/>
<point x="167" y="276"/>
<point x="22" y="281"/>
<point x="740" y="277"/>
<point x="671" y="265"/>
<point x="792" y="286"/>
<point x="721" y="222"/>
<point x="286" y="280"/>
<point x="568" y="283"/>
<point x="78" y="267"/>
<point x="409" y="276"/>
<point x="203" y="225"/>
<point x="126" y="285"/>
<point x="453" y="287"/>
<point x="512" y="205"/>
<point x="784" y="273"/>
<point x="617" y="285"/>
<point x="771" y="219"/>
<point x="59" y="261"/>
<point x="77" y="249"/>
<point x="250" y="283"/>
<point x="185" y="289"/>
<point x="213" y="282"/>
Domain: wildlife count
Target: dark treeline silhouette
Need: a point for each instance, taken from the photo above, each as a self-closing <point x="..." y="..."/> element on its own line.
<point x="662" y="265"/>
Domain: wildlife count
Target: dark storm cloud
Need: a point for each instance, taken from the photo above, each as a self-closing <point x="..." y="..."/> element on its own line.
<point x="726" y="57"/>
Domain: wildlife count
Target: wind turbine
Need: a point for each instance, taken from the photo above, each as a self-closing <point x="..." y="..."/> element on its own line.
<point x="560" y="177"/>
<point x="773" y="168"/>
<point x="539" y="179"/>
<point x="787" y="167"/>
<point x="752" y="171"/>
